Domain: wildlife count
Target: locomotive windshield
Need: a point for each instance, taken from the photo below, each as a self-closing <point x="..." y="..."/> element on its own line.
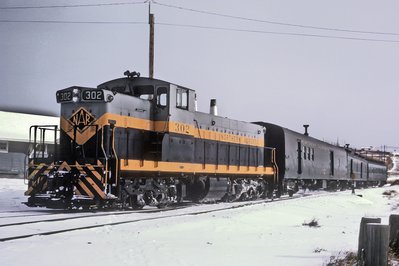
<point x="145" y="92"/>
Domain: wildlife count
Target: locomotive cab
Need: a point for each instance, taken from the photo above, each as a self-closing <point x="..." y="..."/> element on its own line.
<point x="153" y="107"/>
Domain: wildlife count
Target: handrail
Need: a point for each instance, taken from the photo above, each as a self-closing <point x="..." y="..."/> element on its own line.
<point x="115" y="154"/>
<point x="273" y="163"/>
<point x="33" y="141"/>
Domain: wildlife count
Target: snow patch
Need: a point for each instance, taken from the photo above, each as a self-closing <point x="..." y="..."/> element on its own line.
<point x="263" y="234"/>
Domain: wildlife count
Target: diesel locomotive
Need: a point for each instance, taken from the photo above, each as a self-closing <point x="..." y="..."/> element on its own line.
<point x="138" y="141"/>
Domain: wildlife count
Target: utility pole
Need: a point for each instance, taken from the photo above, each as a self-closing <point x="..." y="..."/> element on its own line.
<point x="151" y="49"/>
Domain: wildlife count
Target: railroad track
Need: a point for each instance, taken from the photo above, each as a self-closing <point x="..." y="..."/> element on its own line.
<point x="51" y="226"/>
<point x="84" y="215"/>
<point x="29" y="213"/>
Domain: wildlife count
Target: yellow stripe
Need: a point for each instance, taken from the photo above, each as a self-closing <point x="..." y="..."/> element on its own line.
<point x="86" y="189"/>
<point x="27" y="193"/>
<point x="231" y="138"/>
<point x="34" y="173"/>
<point x="187" y="129"/>
<point x="171" y="167"/>
<point x="50" y="167"/>
<point x="93" y="184"/>
<point x="95" y="173"/>
<point x="77" y="192"/>
<point x="64" y="166"/>
<point x="161" y="126"/>
<point x="80" y="169"/>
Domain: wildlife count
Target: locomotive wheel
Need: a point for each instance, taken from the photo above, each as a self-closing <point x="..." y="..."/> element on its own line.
<point x="131" y="203"/>
<point x="252" y="194"/>
<point x="197" y="190"/>
<point x="162" y="205"/>
<point x="243" y="197"/>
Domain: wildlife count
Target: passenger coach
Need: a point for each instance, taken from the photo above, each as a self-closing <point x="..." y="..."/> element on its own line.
<point x="307" y="162"/>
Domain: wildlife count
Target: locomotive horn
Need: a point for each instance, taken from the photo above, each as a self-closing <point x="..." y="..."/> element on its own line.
<point x="131" y="74"/>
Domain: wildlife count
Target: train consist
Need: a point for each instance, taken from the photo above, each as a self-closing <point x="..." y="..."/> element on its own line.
<point x="311" y="163"/>
<point x="137" y="141"/>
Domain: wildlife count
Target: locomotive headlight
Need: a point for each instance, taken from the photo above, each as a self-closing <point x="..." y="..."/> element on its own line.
<point x="110" y="98"/>
<point x="75" y="95"/>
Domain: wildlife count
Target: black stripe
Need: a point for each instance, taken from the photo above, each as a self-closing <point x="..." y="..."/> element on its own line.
<point x="100" y="170"/>
<point x="38" y="184"/>
<point x="81" y="190"/>
<point x="95" y="179"/>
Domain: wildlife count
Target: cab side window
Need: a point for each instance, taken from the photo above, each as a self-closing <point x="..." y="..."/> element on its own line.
<point x="182" y="98"/>
<point x="162" y="97"/>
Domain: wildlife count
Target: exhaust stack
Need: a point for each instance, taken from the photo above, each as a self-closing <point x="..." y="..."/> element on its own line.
<point x="306" y="130"/>
<point x="214" y="108"/>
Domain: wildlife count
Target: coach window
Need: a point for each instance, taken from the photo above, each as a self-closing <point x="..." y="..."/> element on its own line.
<point x="4" y="146"/>
<point x="304" y="153"/>
<point x="182" y="98"/>
<point x="162" y="97"/>
<point x="312" y="154"/>
<point x="361" y="170"/>
<point x="351" y="167"/>
<point x="299" y="150"/>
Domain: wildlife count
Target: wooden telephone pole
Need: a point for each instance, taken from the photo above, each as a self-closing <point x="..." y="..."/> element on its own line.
<point x="151" y="49"/>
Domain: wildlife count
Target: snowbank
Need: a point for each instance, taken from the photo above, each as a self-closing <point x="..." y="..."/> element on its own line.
<point x="265" y="234"/>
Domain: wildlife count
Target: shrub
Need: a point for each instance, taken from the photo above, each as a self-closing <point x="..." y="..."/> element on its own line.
<point x="313" y="223"/>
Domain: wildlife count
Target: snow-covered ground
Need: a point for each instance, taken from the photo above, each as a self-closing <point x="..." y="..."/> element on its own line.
<point x="263" y="234"/>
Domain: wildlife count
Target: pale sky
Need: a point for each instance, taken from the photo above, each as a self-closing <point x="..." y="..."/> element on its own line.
<point x="345" y="89"/>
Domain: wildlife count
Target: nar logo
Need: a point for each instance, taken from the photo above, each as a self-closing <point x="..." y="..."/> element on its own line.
<point x="82" y="119"/>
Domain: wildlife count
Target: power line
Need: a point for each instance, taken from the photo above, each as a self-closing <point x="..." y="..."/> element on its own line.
<point x="199" y="27"/>
<point x="74" y="22"/>
<point x="277" y="33"/>
<point x="197" y="11"/>
<point x="273" y="22"/>
<point x="68" y="6"/>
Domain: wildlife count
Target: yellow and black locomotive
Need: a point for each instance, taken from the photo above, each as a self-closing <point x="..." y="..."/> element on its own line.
<point x="137" y="141"/>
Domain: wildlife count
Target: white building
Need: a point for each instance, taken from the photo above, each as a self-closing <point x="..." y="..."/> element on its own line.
<point x="14" y="140"/>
